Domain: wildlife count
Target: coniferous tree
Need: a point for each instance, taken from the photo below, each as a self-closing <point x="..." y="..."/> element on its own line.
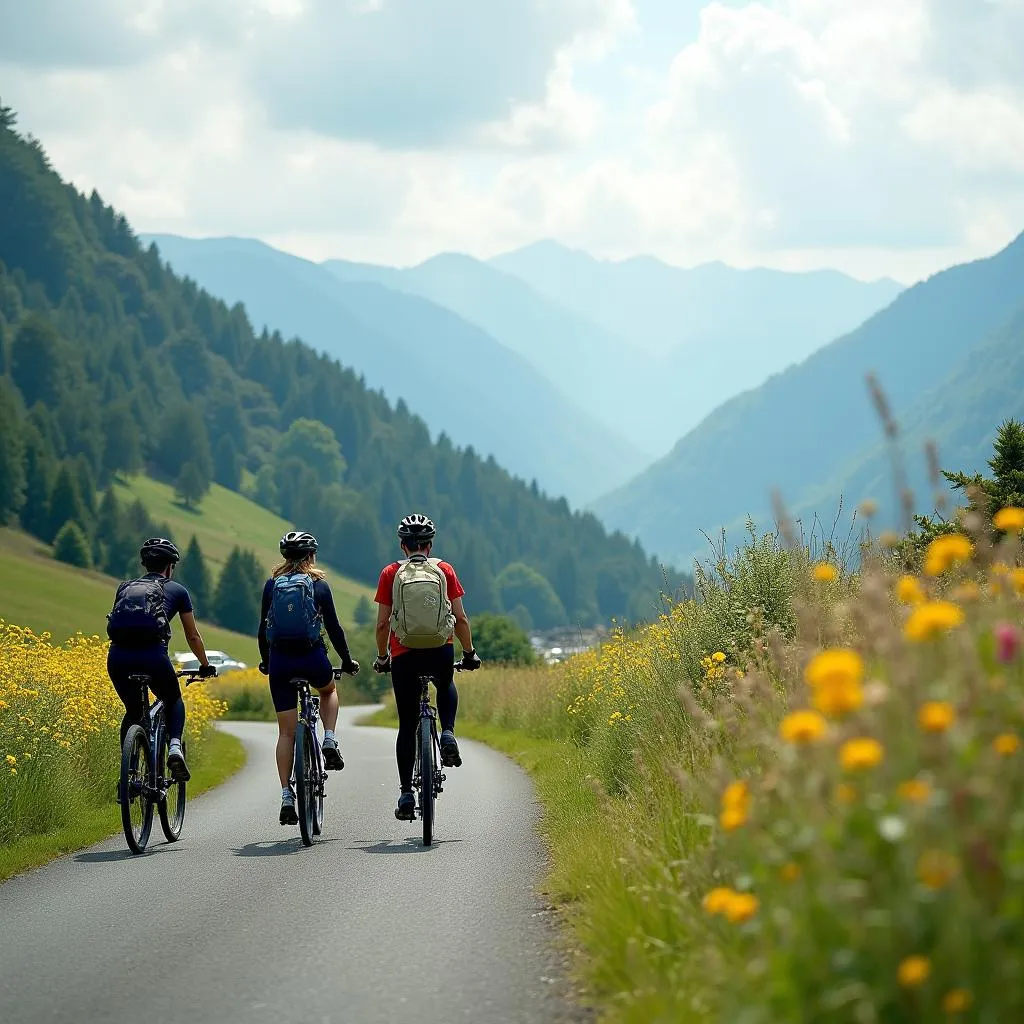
<point x="227" y="464"/>
<point x="236" y="601"/>
<point x="519" y="585"/>
<point x="72" y="546"/>
<point x="40" y="470"/>
<point x="35" y="361"/>
<point x="12" y="457"/>
<point x="363" y="614"/>
<point x="191" y="486"/>
<point x="122" y="451"/>
<point x="65" y="501"/>
<point x="194" y="574"/>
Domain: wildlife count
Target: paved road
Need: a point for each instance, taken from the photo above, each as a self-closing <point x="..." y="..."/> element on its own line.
<point x="368" y="926"/>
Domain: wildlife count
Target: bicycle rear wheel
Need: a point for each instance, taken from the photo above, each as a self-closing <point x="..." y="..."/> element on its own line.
<point x="136" y="774"/>
<point x="172" y="807"/>
<point x="305" y="797"/>
<point x="427" y="770"/>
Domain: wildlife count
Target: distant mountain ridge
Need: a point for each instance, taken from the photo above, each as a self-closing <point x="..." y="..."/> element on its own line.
<point x="646" y="347"/>
<point x="812" y="432"/>
<point x="449" y="371"/>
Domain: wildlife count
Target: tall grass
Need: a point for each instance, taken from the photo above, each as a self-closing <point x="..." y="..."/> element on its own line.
<point x="796" y="796"/>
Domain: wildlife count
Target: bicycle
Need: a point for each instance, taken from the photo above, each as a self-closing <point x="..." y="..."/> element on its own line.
<point x="427" y="777"/>
<point x="144" y="782"/>
<point x="308" y="765"/>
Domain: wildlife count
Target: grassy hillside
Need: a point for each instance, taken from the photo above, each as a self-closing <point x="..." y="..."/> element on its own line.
<point x="47" y="595"/>
<point x="224" y="519"/>
<point x="794" y="431"/>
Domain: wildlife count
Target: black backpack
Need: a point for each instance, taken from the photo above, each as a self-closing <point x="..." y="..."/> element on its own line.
<point x="138" y="618"/>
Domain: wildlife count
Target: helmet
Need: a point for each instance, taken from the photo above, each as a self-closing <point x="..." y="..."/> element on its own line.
<point x="158" y="549"/>
<point x="416" y="527"/>
<point x="296" y="544"/>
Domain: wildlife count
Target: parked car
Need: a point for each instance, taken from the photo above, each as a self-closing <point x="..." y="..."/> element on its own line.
<point x="223" y="662"/>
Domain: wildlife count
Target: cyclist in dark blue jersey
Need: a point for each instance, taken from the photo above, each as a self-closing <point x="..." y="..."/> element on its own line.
<point x="140" y="632"/>
<point x="295" y="649"/>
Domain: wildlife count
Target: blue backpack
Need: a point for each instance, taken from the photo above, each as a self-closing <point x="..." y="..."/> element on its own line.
<point x="293" y="618"/>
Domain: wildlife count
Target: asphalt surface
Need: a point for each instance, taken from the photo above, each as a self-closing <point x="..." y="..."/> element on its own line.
<point x="239" y="922"/>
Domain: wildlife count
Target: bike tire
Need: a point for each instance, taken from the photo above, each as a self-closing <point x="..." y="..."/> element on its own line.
<point x="136" y="771"/>
<point x="427" y="770"/>
<point x="172" y="807"/>
<point x="318" y="794"/>
<point x="304" y="787"/>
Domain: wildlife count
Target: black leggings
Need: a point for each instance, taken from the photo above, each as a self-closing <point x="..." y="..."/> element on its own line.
<point x="124" y="662"/>
<point x="406" y="670"/>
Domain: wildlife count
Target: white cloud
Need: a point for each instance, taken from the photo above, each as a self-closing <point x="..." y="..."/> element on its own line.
<point x="885" y="136"/>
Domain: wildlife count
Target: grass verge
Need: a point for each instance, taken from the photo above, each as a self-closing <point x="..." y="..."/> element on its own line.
<point x="223" y="756"/>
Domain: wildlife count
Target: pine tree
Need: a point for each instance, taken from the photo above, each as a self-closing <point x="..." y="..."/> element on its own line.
<point x="194" y="574"/>
<point x="236" y="602"/>
<point x="363" y="614"/>
<point x="35" y="361"/>
<point x="122" y="452"/>
<point x="40" y="470"/>
<point x="65" y="501"/>
<point x="72" y="546"/>
<point x="12" y="457"/>
<point x="191" y="486"/>
<point x="227" y="464"/>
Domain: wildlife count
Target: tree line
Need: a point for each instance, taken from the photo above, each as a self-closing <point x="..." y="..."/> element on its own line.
<point x="111" y="364"/>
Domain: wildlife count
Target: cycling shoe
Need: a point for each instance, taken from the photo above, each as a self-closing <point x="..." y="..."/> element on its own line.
<point x="406" y="809"/>
<point x="176" y="766"/>
<point x="333" y="761"/>
<point x="288" y="815"/>
<point x="450" y="756"/>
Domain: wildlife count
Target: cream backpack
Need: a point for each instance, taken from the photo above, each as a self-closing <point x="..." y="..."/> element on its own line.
<point x="421" y="614"/>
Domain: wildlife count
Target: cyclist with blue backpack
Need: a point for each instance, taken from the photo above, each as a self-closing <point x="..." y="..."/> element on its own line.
<point x="139" y="629"/>
<point x="297" y="607"/>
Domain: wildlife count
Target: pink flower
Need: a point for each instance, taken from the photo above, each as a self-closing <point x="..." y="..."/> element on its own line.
<point x="1007" y="642"/>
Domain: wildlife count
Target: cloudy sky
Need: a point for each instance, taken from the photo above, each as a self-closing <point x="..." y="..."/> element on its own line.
<point x="877" y="136"/>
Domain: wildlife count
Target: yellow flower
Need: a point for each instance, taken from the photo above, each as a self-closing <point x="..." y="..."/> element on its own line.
<point x="946" y="551"/>
<point x="933" y="617"/>
<point x="860" y="753"/>
<point x="824" y="572"/>
<point x="835" y="666"/>
<point x="838" y="699"/>
<point x="915" y="790"/>
<point x="956" y="1000"/>
<point x="803" y="727"/>
<point x="718" y="657"/>
<point x="790" y="872"/>
<point x="913" y="971"/>
<point x="937" y="869"/>
<point x="716" y="901"/>
<point x="1006" y="743"/>
<point x="732" y="817"/>
<point x="741" y="907"/>
<point x="936" y="716"/>
<point x="1017" y="576"/>
<point x="1009" y="519"/>
<point x="737" y="794"/>
<point x="909" y="590"/>
<point x="11" y="759"/>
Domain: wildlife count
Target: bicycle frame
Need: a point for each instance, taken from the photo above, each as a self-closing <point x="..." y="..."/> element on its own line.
<point x="152" y="722"/>
<point x="309" y="712"/>
<point x="427" y="710"/>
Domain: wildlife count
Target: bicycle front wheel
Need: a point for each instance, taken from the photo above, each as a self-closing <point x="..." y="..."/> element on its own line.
<point x="305" y="783"/>
<point x="172" y="807"/>
<point x="427" y="770"/>
<point x="136" y="776"/>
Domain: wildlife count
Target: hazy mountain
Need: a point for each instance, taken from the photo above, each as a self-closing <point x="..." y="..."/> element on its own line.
<point x="812" y="432"/>
<point x="449" y="371"/>
<point x="585" y="362"/>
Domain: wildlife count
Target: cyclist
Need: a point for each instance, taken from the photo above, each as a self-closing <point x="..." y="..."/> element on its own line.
<point x="297" y="604"/>
<point x="139" y="627"/>
<point x="419" y="613"/>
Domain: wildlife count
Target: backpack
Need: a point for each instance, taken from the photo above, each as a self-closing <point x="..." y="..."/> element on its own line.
<point x="293" y="617"/>
<point x="138" y="617"/>
<point x="421" y="614"/>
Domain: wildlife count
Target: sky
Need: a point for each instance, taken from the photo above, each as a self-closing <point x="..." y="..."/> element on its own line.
<point x="880" y="137"/>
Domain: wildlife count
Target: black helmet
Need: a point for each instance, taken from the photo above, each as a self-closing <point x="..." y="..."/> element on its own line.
<point x="158" y="550"/>
<point x="416" y="527"/>
<point x="296" y="544"/>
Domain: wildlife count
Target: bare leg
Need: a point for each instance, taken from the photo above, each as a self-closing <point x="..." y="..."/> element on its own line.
<point x="328" y="706"/>
<point x="286" y="722"/>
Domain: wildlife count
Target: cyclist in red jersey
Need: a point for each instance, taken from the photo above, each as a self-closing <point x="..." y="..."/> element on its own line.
<point x="416" y="534"/>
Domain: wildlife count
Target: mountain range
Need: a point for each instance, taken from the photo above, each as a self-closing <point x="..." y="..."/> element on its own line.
<point x="948" y="355"/>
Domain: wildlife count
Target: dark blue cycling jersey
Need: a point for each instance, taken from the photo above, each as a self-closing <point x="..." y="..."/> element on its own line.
<point x="176" y="597"/>
<point x="325" y="604"/>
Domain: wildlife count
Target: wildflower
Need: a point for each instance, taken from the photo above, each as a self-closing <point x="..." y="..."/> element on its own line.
<point x="732" y="818"/>
<point x="824" y="572"/>
<point x="936" y="716"/>
<point x="946" y="551"/>
<point x="909" y="590"/>
<point x="802" y="727"/>
<point x="718" y="657"/>
<point x="11" y="759"/>
<point x="737" y="794"/>
<point x="741" y="907"/>
<point x="838" y="700"/>
<point x="835" y="666"/>
<point x="913" y="971"/>
<point x="931" y="618"/>
<point x="1006" y="744"/>
<point x="845" y="793"/>
<point x="956" y="1000"/>
<point x="1009" y="519"/>
<point x="1007" y="642"/>
<point x="1017" y="578"/>
<point x="937" y="869"/>
<point x="790" y="872"/>
<point x="862" y="752"/>
<point x="715" y="901"/>
<point x="916" y="791"/>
